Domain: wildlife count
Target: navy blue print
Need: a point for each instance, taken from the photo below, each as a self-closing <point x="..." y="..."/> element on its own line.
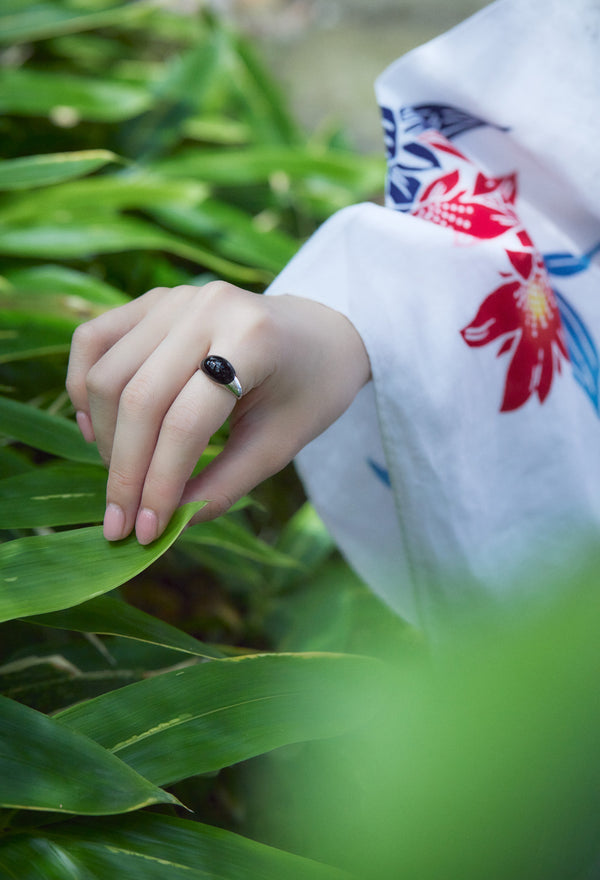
<point x="415" y="150"/>
<point x="402" y="188"/>
<point x="389" y="132"/>
<point x="448" y="120"/>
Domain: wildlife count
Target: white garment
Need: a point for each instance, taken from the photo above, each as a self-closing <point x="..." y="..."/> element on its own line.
<point x="470" y="465"/>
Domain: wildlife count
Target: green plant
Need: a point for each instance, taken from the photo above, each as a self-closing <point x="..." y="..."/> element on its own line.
<point x="140" y="148"/>
<point x="143" y="148"/>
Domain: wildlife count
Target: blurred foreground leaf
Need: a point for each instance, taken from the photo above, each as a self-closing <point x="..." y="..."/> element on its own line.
<point x="209" y="716"/>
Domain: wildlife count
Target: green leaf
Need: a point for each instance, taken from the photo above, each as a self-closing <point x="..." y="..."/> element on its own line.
<point x="113" y="234"/>
<point x="94" y="197"/>
<point x="225" y="534"/>
<point x="41" y="20"/>
<point x="52" y="168"/>
<point x="107" y="616"/>
<point x="44" y="431"/>
<point x="53" y="279"/>
<point x="233" y="232"/>
<point x="216" y="130"/>
<point x="48" y="683"/>
<point x="27" y="335"/>
<point x="49" y="572"/>
<point x="42" y="93"/>
<point x="258" y="164"/>
<point x="305" y="539"/>
<point x="12" y="462"/>
<point x="261" y="94"/>
<point x="46" y="766"/>
<point x="56" y="495"/>
<point x="150" y="847"/>
<point x="208" y="716"/>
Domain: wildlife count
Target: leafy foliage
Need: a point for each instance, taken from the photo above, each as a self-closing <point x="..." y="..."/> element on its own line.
<point x="143" y="148"/>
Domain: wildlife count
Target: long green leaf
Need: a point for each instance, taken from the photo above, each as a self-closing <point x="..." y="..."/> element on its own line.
<point x="235" y="234"/>
<point x="212" y="715"/>
<point x="50" y="572"/>
<point x="13" y="462"/>
<point x="51" y="682"/>
<point x="257" y="165"/>
<point x="40" y="93"/>
<point x="46" y="766"/>
<point x="261" y="94"/>
<point x="44" y="431"/>
<point x="93" y="197"/>
<point x="53" y="279"/>
<point x="26" y="335"/>
<point x="113" y="234"/>
<point x="108" y="616"/>
<point x="150" y="847"/>
<point x="225" y="534"/>
<point x="56" y="495"/>
<point x="305" y="539"/>
<point x="52" y="168"/>
<point x="42" y="20"/>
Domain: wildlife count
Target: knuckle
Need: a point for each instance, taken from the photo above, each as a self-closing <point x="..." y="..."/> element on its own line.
<point x="138" y="397"/>
<point x="218" y="294"/>
<point x="220" y="503"/>
<point x="181" y="425"/>
<point x="123" y="484"/>
<point x="261" y="325"/>
<point x="84" y="334"/>
<point x="97" y="383"/>
<point x="162" y="491"/>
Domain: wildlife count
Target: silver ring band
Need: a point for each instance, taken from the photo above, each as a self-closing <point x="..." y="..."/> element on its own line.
<point x="222" y="372"/>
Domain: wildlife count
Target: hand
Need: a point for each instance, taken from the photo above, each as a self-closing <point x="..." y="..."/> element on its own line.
<point x="135" y="383"/>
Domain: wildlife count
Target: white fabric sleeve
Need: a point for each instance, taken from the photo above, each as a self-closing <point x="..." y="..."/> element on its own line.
<point x="470" y="466"/>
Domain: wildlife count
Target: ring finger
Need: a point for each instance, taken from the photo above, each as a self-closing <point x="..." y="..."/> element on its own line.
<point x="196" y="414"/>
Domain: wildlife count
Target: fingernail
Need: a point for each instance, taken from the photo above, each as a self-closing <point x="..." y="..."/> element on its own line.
<point x="85" y="426"/>
<point x="114" y="523"/>
<point x="146" y="526"/>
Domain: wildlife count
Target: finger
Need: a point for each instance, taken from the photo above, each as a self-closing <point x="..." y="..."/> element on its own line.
<point x="92" y="339"/>
<point x="115" y="371"/>
<point x="142" y="409"/>
<point x="196" y="414"/>
<point x="255" y="451"/>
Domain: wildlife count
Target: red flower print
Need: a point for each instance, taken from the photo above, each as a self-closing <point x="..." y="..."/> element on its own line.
<point x="524" y="311"/>
<point x="483" y="212"/>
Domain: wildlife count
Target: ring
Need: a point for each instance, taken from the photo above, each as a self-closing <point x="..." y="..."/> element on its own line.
<point x="221" y="371"/>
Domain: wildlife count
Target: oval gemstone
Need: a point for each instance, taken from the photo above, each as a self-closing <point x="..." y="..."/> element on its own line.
<point x="219" y="369"/>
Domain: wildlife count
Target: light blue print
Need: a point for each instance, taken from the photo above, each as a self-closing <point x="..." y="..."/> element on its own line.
<point x="583" y="353"/>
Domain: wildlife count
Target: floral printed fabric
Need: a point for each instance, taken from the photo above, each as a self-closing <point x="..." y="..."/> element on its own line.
<point x="469" y="468"/>
<point x="523" y="313"/>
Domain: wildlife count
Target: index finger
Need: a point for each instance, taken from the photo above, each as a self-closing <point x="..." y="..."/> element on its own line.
<point x="94" y="338"/>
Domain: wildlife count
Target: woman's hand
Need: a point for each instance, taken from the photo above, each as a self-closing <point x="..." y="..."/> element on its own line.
<point x="135" y="382"/>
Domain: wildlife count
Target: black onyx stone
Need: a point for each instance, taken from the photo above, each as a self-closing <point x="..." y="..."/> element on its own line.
<point x="218" y="369"/>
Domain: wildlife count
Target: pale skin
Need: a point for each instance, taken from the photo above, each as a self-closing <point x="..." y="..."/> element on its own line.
<point x="134" y="381"/>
